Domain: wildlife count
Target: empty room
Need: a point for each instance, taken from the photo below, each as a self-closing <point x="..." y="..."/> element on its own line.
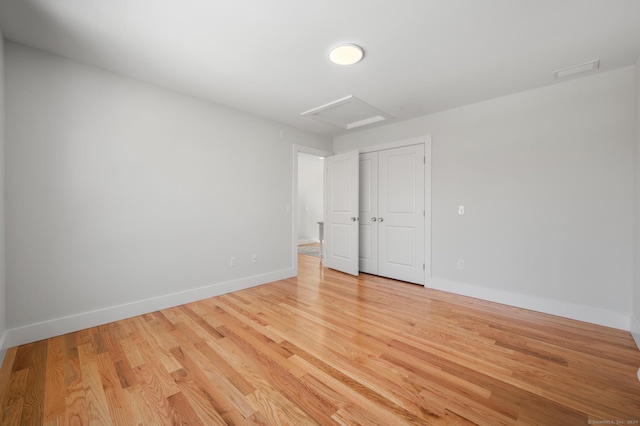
<point x="341" y="212"/>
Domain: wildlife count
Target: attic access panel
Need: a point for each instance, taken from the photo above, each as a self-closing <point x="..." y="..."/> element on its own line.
<point x="347" y="113"/>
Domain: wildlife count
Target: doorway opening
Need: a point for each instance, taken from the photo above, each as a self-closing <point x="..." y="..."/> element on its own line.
<point x="308" y="202"/>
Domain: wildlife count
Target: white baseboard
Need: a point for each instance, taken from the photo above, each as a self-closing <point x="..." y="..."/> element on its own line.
<point x="635" y="332"/>
<point x="3" y="348"/>
<point x="308" y="241"/>
<point x="58" y="326"/>
<point x="584" y="313"/>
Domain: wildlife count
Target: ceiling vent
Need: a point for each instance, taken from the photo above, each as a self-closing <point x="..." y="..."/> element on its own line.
<point x="347" y="113"/>
<point x="577" y="69"/>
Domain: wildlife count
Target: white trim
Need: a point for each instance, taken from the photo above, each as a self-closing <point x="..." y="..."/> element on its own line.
<point x="427" y="208"/>
<point x="58" y="326"/>
<point x="584" y="313"/>
<point x="3" y="349"/>
<point x="312" y="151"/>
<point x="426" y="139"/>
<point x="635" y="330"/>
<point x="294" y="197"/>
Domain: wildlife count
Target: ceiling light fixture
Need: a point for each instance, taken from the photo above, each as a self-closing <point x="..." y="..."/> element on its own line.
<point x="346" y="54"/>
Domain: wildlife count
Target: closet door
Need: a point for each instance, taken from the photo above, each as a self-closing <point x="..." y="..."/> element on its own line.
<point x="401" y="213"/>
<point x="341" y="212"/>
<point x="369" y="213"/>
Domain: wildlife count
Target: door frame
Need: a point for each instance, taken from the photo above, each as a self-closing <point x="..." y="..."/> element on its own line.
<point x="426" y="140"/>
<point x="297" y="149"/>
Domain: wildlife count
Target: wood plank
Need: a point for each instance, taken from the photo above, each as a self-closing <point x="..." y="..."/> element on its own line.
<point x="197" y="392"/>
<point x="182" y="412"/>
<point x="54" y="398"/>
<point x="5" y="371"/>
<point x="227" y="398"/>
<point x="96" y="400"/>
<point x="13" y="400"/>
<point x="115" y="395"/>
<point x="75" y="398"/>
<point x="143" y="412"/>
<point x="33" y="399"/>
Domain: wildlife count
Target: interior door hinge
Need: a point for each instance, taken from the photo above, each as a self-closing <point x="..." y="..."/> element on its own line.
<point x="424" y="213"/>
<point x="423" y="266"/>
<point x="424" y="160"/>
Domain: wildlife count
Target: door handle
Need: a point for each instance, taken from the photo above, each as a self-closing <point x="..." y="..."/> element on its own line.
<point x="353" y="219"/>
<point x="380" y="219"/>
<point x="373" y="219"/>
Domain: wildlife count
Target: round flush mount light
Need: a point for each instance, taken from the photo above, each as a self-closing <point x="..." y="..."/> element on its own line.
<point x="346" y="54"/>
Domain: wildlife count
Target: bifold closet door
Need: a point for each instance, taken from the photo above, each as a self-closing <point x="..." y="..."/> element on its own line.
<point x="401" y="215"/>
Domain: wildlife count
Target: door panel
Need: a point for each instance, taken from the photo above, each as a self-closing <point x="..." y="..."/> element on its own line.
<point x="400" y="243"/>
<point x="401" y="207"/>
<point x="369" y="211"/>
<point x="399" y="181"/>
<point x="341" y="236"/>
<point x="341" y="205"/>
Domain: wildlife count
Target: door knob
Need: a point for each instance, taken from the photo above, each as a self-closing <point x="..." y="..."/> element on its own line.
<point x="353" y="219"/>
<point x="380" y="219"/>
<point x="373" y="219"/>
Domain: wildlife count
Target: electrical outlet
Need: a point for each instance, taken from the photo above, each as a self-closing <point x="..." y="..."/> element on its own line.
<point x="234" y="262"/>
<point x="254" y="258"/>
<point x="460" y="209"/>
<point x="460" y="264"/>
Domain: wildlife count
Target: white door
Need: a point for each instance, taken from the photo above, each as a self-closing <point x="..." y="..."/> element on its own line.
<point x="401" y="214"/>
<point x="369" y="213"/>
<point x="341" y="217"/>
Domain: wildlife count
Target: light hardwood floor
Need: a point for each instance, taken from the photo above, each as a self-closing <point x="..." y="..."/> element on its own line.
<point x="326" y="348"/>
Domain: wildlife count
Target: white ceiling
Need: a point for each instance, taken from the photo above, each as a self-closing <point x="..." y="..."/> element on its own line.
<point x="271" y="57"/>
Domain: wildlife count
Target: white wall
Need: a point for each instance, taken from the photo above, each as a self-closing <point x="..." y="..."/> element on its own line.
<point x="546" y="178"/>
<point x="310" y="196"/>
<point x="123" y="197"/>
<point x="3" y="299"/>
<point x="635" y="322"/>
